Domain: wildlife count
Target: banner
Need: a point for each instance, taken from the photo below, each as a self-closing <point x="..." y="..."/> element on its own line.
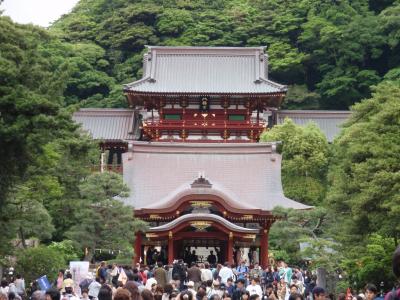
<point x="79" y="271"/>
<point x="44" y="283"/>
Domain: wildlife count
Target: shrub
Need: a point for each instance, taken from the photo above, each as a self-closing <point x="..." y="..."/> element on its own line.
<point x="33" y="263"/>
<point x="68" y="249"/>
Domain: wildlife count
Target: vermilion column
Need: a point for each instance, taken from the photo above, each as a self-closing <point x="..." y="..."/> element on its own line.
<point x="170" y="248"/>
<point x="264" y="248"/>
<point x="229" y="257"/>
<point x="138" y="248"/>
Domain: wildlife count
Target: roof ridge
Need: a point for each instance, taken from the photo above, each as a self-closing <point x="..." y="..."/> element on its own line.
<point x="317" y="111"/>
<point x="102" y="109"/>
<point x="205" y="48"/>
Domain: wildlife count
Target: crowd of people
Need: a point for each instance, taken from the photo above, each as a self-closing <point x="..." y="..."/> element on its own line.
<point x="199" y="281"/>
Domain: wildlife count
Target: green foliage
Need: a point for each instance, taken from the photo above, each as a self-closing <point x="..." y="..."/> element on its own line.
<point x="279" y="255"/>
<point x="29" y="218"/>
<point x="173" y="22"/>
<point x="46" y="156"/>
<point x="305" y="160"/>
<point x="364" y="175"/>
<point x="322" y="253"/>
<point x="364" y="186"/>
<point x="104" y="221"/>
<point x="67" y="249"/>
<point x="29" y="101"/>
<point x="298" y="97"/>
<point x="296" y="226"/>
<point x="371" y="263"/>
<point x="36" y="262"/>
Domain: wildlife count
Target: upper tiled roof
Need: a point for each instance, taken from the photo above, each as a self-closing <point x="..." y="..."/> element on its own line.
<point x="328" y="121"/>
<point x="205" y="70"/>
<point x="247" y="176"/>
<point x="106" y="124"/>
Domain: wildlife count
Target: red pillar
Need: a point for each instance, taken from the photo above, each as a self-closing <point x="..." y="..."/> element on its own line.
<point x="170" y="248"/>
<point x="264" y="248"/>
<point x="138" y="248"/>
<point x="229" y="257"/>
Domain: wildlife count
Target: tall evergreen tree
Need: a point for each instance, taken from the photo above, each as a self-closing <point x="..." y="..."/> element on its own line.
<point x="104" y="221"/>
<point x="365" y="173"/>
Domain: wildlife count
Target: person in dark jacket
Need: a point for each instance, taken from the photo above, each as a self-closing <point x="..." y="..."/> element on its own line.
<point x="178" y="271"/>
<point x="239" y="290"/>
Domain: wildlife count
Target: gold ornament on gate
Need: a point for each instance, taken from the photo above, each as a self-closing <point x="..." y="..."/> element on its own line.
<point x="154" y="216"/>
<point x="250" y="236"/>
<point x="247" y="217"/>
<point x="200" y="203"/>
<point x="151" y="235"/>
<point x="200" y="225"/>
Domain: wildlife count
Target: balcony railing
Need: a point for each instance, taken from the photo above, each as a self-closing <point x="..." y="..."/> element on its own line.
<point x="203" y="124"/>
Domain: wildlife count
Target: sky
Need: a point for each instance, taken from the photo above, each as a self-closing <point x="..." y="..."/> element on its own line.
<point x="38" y="12"/>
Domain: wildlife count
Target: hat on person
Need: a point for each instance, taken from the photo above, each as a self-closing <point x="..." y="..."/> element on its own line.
<point x="190" y="283"/>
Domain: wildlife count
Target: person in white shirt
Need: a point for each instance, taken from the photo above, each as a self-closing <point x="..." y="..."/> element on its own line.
<point x="150" y="282"/>
<point x="4" y="289"/>
<point x="12" y="289"/>
<point x="225" y="273"/>
<point x="20" y="286"/>
<point x="206" y="273"/>
<point x="255" y="288"/>
<point x="190" y="286"/>
<point x="215" y="290"/>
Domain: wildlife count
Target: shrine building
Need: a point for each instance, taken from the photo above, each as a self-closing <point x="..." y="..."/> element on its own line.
<point x="188" y="147"/>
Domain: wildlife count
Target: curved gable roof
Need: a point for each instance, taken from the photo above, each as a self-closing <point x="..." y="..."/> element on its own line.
<point x="202" y="217"/>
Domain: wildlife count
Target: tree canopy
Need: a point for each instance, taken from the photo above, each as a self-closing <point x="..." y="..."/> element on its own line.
<point x="365" y="172"/>
<point x="104" y="221"/>
<point x="305" y="156"/>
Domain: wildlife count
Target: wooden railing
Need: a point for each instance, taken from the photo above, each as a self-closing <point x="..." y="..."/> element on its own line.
<point x="203" y="124"/>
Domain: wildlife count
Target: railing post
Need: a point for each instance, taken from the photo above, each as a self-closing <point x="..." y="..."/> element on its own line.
<point x="102" y="157"/>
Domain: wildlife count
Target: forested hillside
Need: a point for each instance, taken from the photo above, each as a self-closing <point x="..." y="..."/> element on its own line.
<point x="328" y="51"/>
<point x="331" y="53"/>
